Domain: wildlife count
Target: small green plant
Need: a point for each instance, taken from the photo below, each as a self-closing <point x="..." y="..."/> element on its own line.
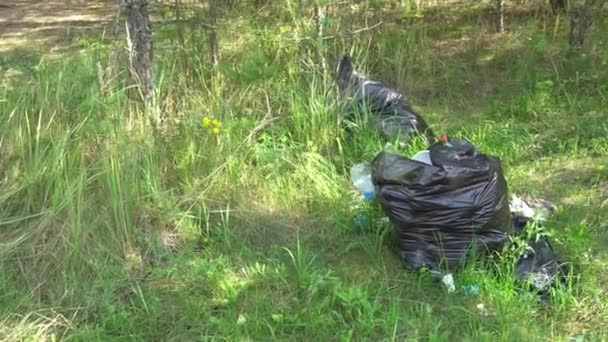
<point x="301" y="263"/>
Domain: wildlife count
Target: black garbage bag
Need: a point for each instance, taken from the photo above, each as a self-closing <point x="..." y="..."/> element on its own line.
<point x="443" y="211"/>
<point x="390" y="110"/>
<point x="456" y="152"/>
<point x="539" y="266"/>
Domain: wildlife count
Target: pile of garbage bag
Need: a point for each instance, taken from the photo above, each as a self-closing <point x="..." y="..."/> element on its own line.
<point x="446" y="203"/>
<point x="390" y="111"/>
<point x="450" y="202"/>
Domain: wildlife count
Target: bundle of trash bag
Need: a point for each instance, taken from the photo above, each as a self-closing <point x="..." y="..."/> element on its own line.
<point x="443" y="210"/>
<point x="445" y="203"/>
<point x="389" y="110"/>
<point x="450" y="202"/>
<point x="538" y="266"/>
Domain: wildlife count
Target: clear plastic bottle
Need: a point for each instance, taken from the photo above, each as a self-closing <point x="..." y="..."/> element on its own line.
<point x="361" y="176"/>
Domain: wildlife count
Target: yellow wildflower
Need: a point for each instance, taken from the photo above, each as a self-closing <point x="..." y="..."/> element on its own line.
<point x="216" y="130"/>
<point x="206" y="121"/>
<point x="216" y="123"/>
<point x="601" y="167"/>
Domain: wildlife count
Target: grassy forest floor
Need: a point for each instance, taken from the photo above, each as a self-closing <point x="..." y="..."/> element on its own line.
<point x="110" y="230"/>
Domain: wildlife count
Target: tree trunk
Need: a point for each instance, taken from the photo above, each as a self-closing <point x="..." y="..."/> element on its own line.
<point x="141" y="54"/>
<point x="178" y="23"/>
<point x="500" y="11"/>
<point x="213" y="44"/>
<point x="180" y="35"/>
<point x="319" y="22"/>
<point x="558" y="6"/>
<point x="580" y="21"/>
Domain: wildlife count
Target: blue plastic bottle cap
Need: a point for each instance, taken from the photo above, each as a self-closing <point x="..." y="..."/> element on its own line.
<point x="368" y="196"/>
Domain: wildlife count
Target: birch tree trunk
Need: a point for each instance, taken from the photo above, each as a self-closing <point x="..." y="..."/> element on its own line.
<point x="500" y="11"/>
<point x="213" y="44"/>
<point x="319" y="23"/>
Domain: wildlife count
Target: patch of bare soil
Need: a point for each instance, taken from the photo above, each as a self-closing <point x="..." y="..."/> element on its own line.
<point x="42" y="26"/>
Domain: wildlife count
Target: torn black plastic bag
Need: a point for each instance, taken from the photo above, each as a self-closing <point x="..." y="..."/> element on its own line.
<point x="539" y="266"/>
<point x="440" y="212"/>
<point x="390" y="111"/>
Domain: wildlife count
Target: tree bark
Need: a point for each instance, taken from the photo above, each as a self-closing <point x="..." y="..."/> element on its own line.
<point x="500" y="11"/>
<point x="580" y="21"/>
<point x="141" y="53"/>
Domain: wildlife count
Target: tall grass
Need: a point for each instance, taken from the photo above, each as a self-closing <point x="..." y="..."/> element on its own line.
<point x="110" y="230"/>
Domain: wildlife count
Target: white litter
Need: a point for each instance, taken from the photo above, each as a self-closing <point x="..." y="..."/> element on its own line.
<point x="539" y="210"/>
<point x="448" y="281"/>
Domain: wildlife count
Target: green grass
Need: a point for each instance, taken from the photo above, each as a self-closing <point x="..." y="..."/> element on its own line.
<point x="112" y="231"/>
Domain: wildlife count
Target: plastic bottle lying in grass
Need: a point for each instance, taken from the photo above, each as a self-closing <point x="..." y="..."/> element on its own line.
<point x="361" y="176"/>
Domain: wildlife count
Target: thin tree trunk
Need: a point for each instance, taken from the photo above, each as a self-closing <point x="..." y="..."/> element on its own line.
<point x="213" y="43"/>
<point x="180" y="34"/>
<point x="178" y="23"/>
<point x="558" y="5"/>
<point x="580" y="21"/>
<point x="141" y="54"/>
<point x="500" y="11"/>
<point x="319" y="22"/>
